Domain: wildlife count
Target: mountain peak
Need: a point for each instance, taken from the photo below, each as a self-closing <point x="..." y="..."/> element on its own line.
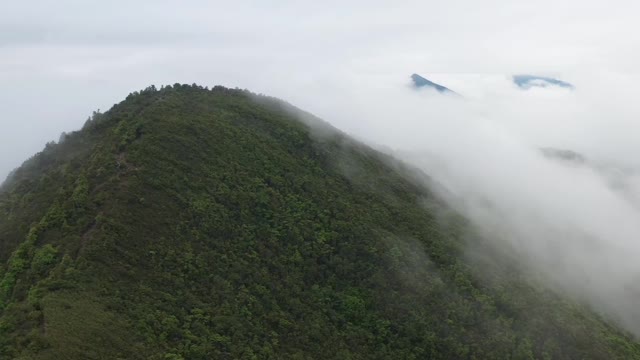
<point x="525" y="81"/>
<point x="421" y="82"/>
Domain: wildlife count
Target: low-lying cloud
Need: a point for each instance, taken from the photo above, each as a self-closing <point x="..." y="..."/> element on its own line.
<point x="575" y="223"/>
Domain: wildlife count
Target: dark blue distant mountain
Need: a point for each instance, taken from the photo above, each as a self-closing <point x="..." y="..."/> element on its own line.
<point x="529" y="81"/>
<point x="420" y="82"/>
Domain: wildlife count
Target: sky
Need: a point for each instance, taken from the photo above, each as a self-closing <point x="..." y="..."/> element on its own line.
<point x="61" y="60"/>
<point x="349" y="63"/>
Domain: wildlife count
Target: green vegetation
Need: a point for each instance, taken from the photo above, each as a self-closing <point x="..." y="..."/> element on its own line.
<point x="188" y="223"/>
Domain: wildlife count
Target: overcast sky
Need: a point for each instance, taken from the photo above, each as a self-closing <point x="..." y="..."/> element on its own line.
<point x="61" y="60"/>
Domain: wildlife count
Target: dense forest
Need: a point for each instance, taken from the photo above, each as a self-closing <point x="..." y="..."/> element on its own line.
<point x="196" y="223"/>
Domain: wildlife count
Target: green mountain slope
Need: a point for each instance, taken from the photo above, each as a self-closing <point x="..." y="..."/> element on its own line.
<point x="187" y="223"/>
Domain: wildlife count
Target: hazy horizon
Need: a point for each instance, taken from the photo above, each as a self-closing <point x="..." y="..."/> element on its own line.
<point x="62" y="61"/>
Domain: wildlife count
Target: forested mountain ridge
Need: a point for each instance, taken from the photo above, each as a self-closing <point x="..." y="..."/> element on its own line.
<point x="188" y="223"/>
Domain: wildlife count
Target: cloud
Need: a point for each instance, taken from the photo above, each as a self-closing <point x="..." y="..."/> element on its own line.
<point x="570" y="223"/>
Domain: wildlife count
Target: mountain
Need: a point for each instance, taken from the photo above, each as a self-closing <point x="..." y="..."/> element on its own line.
<point x="569" y="156"/>
<point x="529" y="81"/>
<point x="420" y="82"/>
<point x="195" y="223"/>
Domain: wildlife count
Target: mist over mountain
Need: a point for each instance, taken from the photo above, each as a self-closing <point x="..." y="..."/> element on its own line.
<point x="573" y="225"/>
<point x="485" y="207"/>
<point x="620" y="178"/>
<point x="196" y="223"/>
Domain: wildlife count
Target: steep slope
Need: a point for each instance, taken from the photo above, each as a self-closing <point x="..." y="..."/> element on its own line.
<point x="197" y="224"/>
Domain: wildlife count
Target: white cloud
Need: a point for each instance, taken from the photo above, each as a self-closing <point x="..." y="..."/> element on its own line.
<point x="571" y="222"/>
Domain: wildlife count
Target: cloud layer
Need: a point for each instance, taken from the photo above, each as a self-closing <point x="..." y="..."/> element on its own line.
<point x="59" y="61"/>
<point x="574" y="224"/>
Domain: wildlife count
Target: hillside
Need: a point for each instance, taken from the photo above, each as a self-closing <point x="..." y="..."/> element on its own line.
<point x="188" y="223"/>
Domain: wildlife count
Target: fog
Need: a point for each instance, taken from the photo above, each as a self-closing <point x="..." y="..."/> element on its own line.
<point x="350" y="63"/>
<point x="574" y="224"/>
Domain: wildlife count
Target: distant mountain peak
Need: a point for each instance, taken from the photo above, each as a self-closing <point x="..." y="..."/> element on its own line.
<point x="563" y="154"/>
<point x="525" y="81"/>
<point x="421" y="82"/>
